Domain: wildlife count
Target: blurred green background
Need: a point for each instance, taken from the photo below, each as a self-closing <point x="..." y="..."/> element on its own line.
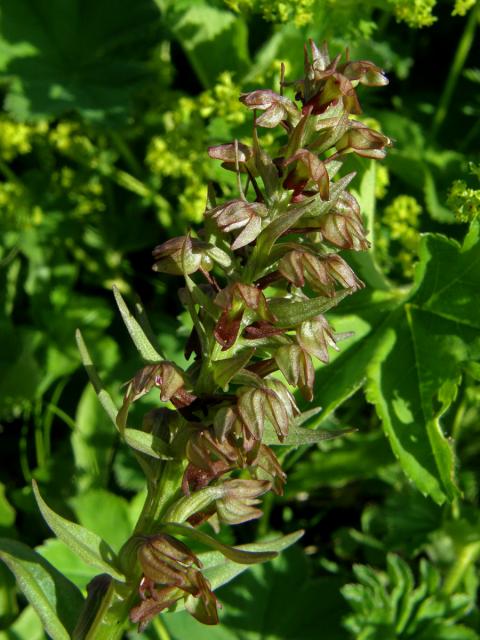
<point x="108" y="109"/>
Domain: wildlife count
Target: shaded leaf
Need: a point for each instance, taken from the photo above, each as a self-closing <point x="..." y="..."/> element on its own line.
<point x="56" y="600"/>
<point x="87" y="545"/>
<point x="78" y="55"/>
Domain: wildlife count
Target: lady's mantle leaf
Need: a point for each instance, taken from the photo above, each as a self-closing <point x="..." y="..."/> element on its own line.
<point x="56" y="600"/>
<point x="87" y="545"/>
<point x="413" y="356"/>
<point x="77" y="54"/>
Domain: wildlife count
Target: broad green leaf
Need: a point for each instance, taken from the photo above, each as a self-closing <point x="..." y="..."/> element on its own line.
<point x="92" y="441"/>
<point x="87" y="545"/>
<point x="60" y="56"/>
<point x="73" y="568"/>
<point x="27" y="626"/>
<point x="140" y="339"/>
<point x="105" y="514"/>
<point x="339" y="462"/>
<point x="213" y="38"/>
<point x="424" y="346"/>
<point x="56" y="600"/>
<point x="413" y="348"/>
<point x="278" y="601"/>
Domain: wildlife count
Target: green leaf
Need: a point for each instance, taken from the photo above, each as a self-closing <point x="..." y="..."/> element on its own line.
<point x="92" y="441"/>
<point x="213" y="38"/>
<point x="412" y="352"/>
<point x="73" y="568"/>
<point x="335" y="464"/>
<point x="77" y="55"/>
<point x="7" y="512"/>
<point x="147" y="443"/>
<point x="298" y="436"/>
<point x="27" y="626"/>
<point x="87" y="545"/>
<point x="103" y="395"/>
<point x="105" y="514"/>
<point x="290" y="314"/>
<point x="225" y="370"/>
<point x="140" y="339"/>
<point x="56" y="600"/>
<point x="424" y="346"/>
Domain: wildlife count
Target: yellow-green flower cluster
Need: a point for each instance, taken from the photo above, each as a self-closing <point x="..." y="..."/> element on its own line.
<point x="16" y="138"/>
<point x="416" y="13"/>
<point x="464" y="201"/>
<point x="179" y="153"/>
<point x="279" y="11"/>
<point x="222" y="101"/>
<point x="400" y="224"/>
<point x="462" y="7"/>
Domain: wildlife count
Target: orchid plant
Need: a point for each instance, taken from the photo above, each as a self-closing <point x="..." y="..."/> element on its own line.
<point x="258" y="279"/>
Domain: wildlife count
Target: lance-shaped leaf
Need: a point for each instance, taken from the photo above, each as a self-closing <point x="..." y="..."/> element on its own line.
<point x="147" y="443"/>
<point x="225" y="370"/>
<point x="290" y="312"/>
<point x="236" y="554"/>
<point x="102" y="394"/>
<point x="300" y="436"/>
<point x="56" y="600"/>
<point x="84" y="543"/>
<point x="315" y="336"/>
<point x="140" y="340"/>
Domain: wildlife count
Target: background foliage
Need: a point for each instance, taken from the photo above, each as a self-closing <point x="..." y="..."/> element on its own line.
<point x="107" y="113"/>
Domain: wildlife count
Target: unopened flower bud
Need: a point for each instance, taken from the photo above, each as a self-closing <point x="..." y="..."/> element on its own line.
<point x="239" y="501"/>
<point x="315" y="336"/>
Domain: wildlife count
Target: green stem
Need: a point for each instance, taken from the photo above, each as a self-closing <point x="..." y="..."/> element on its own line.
<point x="466" y="557"/>
<point x="112" y="618"/>
<point x="160" y="629"/>
<point x="459" y="60"/>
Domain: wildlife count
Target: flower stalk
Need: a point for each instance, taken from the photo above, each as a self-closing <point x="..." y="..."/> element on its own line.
<point x="258" y="278"/>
